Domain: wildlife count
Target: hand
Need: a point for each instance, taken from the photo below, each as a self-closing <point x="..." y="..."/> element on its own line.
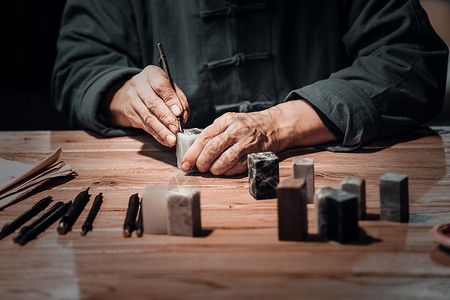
<point x="222" y="147"/>
<point x="148" y="101"/>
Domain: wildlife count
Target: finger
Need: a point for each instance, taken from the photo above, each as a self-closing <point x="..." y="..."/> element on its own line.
<point x="150" y="123"/>
<point x="167" y="139"/>
<point x="162" y="87"/>
<point x="213" y="149"/>
<point x="238" y="168"/>
<point x="136" y="121"/>
<point x="154" y="103"/>
<point x="226" y="160"/>
<point x="184" y="103"/>
<point x="191" y="155"/>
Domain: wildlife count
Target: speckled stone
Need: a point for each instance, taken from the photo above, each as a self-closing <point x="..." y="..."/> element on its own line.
<point x="292" y="211"/>
<point x="357" y="186"/>
<point x="263" y="175"/>
<point x="184" y="212"/>
<point x="304" y="168"/>
<point x="320" y="209"/>
<point x="184" y="141"/>
<point x="394" y="199"/>
<point x="342" y="217"/>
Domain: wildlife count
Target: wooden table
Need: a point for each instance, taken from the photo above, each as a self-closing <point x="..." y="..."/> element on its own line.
<point x="241" y="257"/>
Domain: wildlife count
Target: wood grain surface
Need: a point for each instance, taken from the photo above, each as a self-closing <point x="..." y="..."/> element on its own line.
<point x="239" y="255"/>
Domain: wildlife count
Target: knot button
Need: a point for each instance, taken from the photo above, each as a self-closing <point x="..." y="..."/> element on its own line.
<point x="233" y="10"/>
<point x="238" y="59"/>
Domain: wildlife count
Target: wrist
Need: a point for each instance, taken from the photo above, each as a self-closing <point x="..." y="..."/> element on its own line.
<point x="111" y="106"/>
<point x="296" y="123"/>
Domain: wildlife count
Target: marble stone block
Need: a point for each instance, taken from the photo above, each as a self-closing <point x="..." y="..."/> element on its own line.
<point x="304" y="168"/>
<point x="394" y="200"/>
<point x="154" y="209"/>
<point x="342" y="217"/>
<point x="357" y="186"/>
<point x="183" y="206"/>
<point x="320" y="209"/>
<point x="184" y="141"/>
<point x="292" y="211"/>
<point x="263" y="175"/>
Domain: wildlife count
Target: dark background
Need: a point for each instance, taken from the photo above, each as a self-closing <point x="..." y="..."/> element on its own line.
<point x="29" y="29"/>
<point x="28" y="32"/>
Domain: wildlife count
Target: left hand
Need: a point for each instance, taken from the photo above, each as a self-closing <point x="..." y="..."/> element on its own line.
<point x="223" y="146"/>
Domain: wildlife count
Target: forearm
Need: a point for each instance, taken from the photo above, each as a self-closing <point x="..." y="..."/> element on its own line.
<point x="296" y="124"/>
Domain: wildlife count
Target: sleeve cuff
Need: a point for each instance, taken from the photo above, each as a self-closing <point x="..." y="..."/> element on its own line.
<point x="93" y="96"/>
<point x="345" y="110"/>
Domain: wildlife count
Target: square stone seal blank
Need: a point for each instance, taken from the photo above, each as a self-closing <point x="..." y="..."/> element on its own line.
<point x="394" y="199"/>
<point x="183" y="211"/>
<point x="263" y="175"/>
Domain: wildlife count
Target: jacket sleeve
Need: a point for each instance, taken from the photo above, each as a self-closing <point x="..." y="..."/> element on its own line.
<point x="396" y="80"/>
<point x="97" y="47"/>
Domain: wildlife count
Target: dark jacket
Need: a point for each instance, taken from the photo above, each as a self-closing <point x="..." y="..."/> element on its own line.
<point x="370" y="68"/>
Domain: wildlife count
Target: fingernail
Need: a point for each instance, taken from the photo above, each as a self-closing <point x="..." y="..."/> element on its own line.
<point x="176" y="110"/>
<point x="173" y="128"/>
<point x="171" y="139"/>
<point x="186" y="166"/>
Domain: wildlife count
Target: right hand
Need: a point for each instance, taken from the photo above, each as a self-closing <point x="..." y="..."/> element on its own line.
<point x="148" y="101"/>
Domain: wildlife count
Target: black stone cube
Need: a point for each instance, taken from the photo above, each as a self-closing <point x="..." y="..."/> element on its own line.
<point x="263" y="175"/>
<point x="342" y="217"/>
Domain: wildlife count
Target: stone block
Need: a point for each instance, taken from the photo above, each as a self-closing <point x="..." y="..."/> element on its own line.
<point x="184" y="140"/>
<point x="154" y="209"/>
<point x="342" y="217"/>
<point x="320" y="209"/>
<point x="184" y="212"/>
<point x="394" y="200"/>
<point x="357" y="186"/>
<point x="292" y="210"/>
<point x="263" y="175"/>
<point x="304" y="168"/>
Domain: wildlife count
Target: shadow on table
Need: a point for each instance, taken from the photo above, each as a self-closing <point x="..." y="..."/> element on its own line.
<point x="388" y="142"/>
<point x="364" y="239"/>
<point x="372" y="217"/>
<point x="372" y="147"/>
<point x="151" y="148"/>
<point x="204" y="233"/>
<point x="209" y="175"/>
<point x="441" y="256"/>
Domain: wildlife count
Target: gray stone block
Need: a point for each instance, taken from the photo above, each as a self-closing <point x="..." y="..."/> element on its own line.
<point x="292" y="210"/>
<point x="184" y="141"/>
<point x="342" y="217"/>
<point x="394" y="200"/>
<point x="183" y="211"/>
<point x="263" y="175"/>
<point x="304" y="168"/>
<point x="357" y="186"/>
<point x="320" y="209"/>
